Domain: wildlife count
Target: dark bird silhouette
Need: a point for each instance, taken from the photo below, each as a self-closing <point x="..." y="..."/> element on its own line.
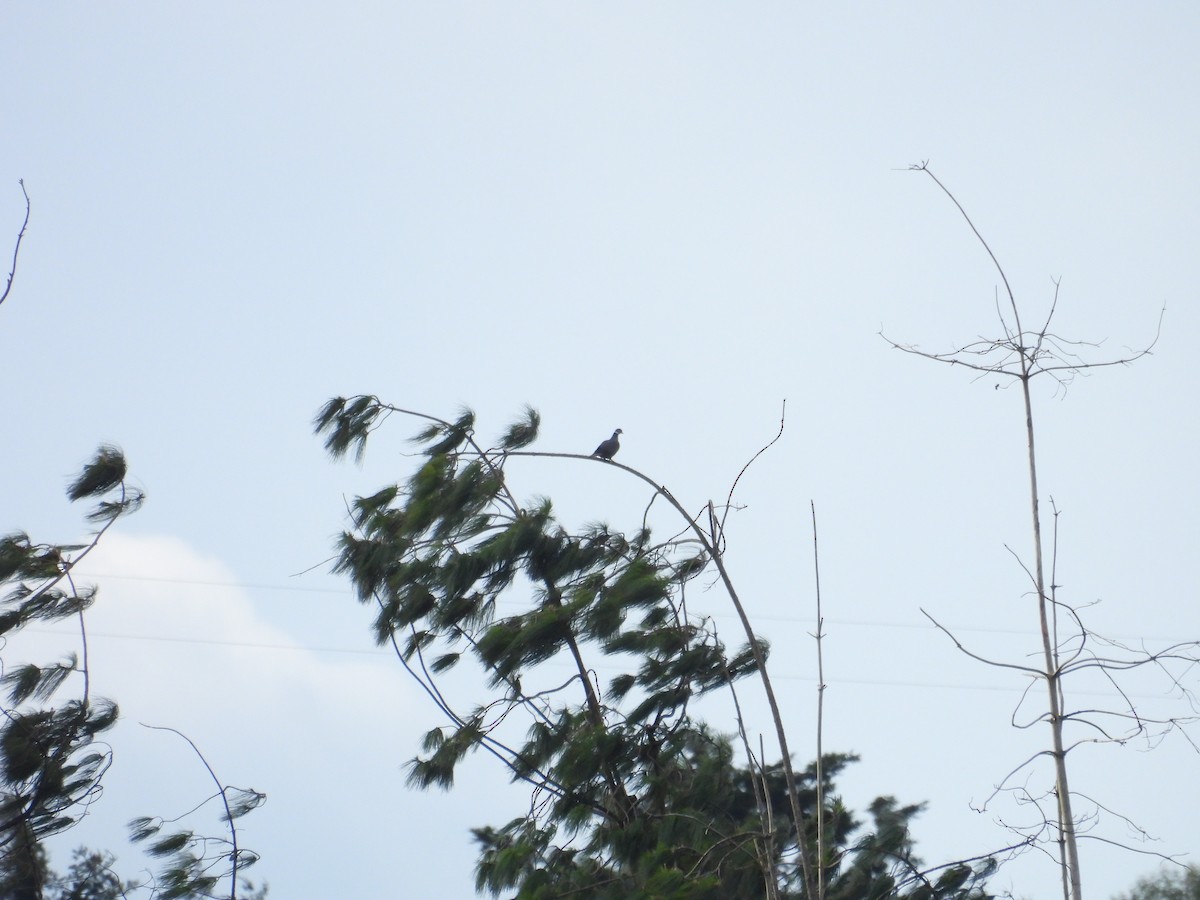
<point x="608" y="449"/>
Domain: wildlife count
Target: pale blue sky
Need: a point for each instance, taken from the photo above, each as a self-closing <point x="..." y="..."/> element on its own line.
<point x="663" y="217"/>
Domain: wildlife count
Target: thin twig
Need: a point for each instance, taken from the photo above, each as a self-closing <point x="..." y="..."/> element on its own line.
<point x="768" y="446"/>
<point x="17" y="247"/>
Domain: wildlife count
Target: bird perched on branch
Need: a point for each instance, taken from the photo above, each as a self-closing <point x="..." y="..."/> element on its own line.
<point x="608" y="449"/>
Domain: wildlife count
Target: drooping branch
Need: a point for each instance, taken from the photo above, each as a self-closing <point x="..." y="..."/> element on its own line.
<point x="715" y="554"/>
<point x="190" y="874"/>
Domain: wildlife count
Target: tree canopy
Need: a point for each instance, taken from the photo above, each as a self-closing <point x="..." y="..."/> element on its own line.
<point x="632" y="794"/>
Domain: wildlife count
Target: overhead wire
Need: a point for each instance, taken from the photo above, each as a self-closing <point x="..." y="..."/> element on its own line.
<point x="764" y="617"/>
<point x="379" y="651"/>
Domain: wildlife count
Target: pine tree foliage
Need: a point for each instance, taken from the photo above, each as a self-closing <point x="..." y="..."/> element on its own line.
<point x="632" y="796"/>
<point x="90" y="877"/>
<point x="50" y="765"/>
<point x="1172" y="884"/>
<point x="24" y="868"/>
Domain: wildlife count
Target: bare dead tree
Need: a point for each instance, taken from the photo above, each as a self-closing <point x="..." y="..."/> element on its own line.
<point x="1069" y="649"/>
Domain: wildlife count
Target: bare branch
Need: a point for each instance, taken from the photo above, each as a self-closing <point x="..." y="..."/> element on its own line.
<point x="924" y="167"/>
<point x="17" y="246"/>
<point x="1028" y="670"/>
<point x="768" y="446"/>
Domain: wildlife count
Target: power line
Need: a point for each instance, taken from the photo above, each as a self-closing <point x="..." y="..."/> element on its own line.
<point x="225" y="584"/>
<point x="382" y="651"/>
<point x="766" y="617"/>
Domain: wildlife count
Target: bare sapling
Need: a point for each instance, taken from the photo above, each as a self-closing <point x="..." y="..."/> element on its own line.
<point x="1068" y="650"/>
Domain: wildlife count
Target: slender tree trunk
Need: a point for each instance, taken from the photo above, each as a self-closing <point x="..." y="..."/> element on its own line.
<point x="1069" y="850"/>
<point x="821" y="850"/>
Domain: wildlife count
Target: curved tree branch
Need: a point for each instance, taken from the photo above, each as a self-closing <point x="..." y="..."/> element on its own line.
<point x="17" y="246"/>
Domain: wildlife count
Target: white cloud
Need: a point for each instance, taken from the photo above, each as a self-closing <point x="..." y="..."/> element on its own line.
<point x="324" y="734"/>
